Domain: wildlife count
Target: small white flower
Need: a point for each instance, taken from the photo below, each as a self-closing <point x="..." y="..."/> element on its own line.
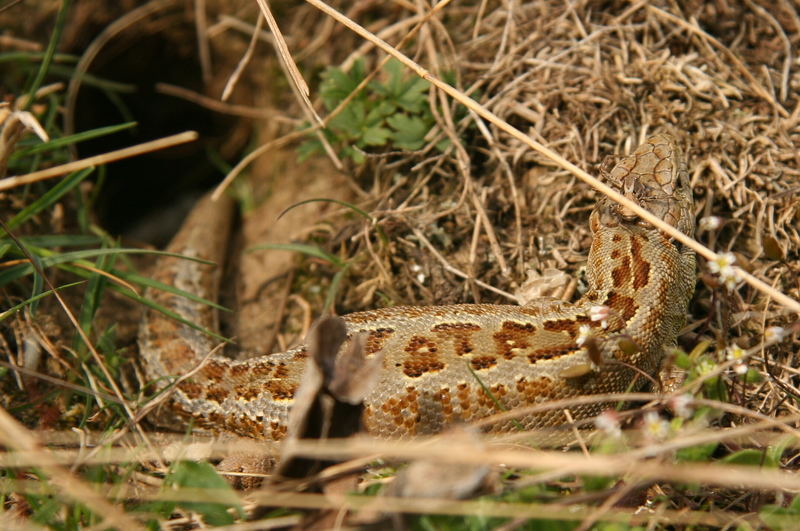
<point x="735" y="352"/>
<point x="416" y="268"/>
<point x="680" y="405"/>
<point x="654" y="426"/>
<point x="723" y="266"/>
<point x="584" y="333"/>
<point x="608" y="423"/>
<point x="774" y="334"/>
<point x="739" y="355"/>
<point x="721" y="262"/>
<point x="730" y="277"/>
<point x="600" y="313"/>
<point x="709" y="223"/>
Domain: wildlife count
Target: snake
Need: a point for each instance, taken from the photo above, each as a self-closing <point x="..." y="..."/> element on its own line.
<point x="449" y="364"/>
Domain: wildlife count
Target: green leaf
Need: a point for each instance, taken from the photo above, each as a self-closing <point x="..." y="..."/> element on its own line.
<point x="403" y="89"/>
<point x="775" y="453"/>
<point x="779" y="518"/>
<point x="330" y="297"/>
<point x="337" y="85"/>
<point x="748" y="456"/>
<point x="49" y="54"/>
<point x="375" y="136"/>
<point x="700" y="452"/>
<point x="414" y="97"/>
<point x="753" y="376"/>
<point x="409" y="131"/>
<point x="193" y="475"/>
<point x="682" y="360"/>
<point x="310" y="146"/>
<point x="61" y="240"/>
<point x="351" y="121"/>
<point x="379" y="111"/>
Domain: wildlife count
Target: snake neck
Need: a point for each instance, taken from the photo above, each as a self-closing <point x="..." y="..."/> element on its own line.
<point x="642" y="278"/>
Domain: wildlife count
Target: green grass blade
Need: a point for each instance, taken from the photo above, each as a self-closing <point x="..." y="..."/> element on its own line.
<point x="48" y="198"/>
<point x="310" y="250"/>
<point x="73" y="139"/>
<point x="53" y="259"/>
<point x="60" y="240"/>
<point x="352" y="207"/>
<point x="49" y="53"/>
<point x="17" y="307"/>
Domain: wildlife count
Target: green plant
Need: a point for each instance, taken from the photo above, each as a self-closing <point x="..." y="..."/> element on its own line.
<point x="392" y="112"/>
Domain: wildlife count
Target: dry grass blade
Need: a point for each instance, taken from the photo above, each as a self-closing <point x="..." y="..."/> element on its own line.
<point x="222" y="107"/>
<point x="486" y="508"/>
<point x="735" y="476"/>
<point x="203" y="46"/>
<point x="105" y="158"/>
<point x="298" y="84"/>
<point x="14" y="435"/>
<point x="251" y="48"/>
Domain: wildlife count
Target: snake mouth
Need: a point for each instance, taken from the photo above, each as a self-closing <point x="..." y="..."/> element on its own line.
<point x="627" y="214"/>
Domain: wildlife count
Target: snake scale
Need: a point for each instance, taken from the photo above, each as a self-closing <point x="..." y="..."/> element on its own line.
<point x="439" y="361"/>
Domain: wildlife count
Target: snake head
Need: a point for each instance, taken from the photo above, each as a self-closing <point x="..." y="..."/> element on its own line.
<point x="655" y="177"/>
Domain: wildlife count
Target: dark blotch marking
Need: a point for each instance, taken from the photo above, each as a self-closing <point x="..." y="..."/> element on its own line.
<point x="280" y="390"/>
<point x="262" y="370"/>
<point x="376" y="340"/>
<point x="443" y="396"/>
<point x="621" y="274"/>
<point x="460" y="333"/>
<point x="281" y="371"/>
<point x="217" y="394"/>
<point x="214" y="370"/>
<point x="532" y="391"/>
<point x="416" y="343"/>
<point x="483" y="362"/>
<point x="512" y="335"/>
<point x="641" y="267"/>
<point x="548" y="353"/>
<point x="247" y="391"/>
<point x="277" y="430"/>
<point x="191" y="390"/>
<point x="623" y="304"/>
<point x="568" y="325"/>
<point x="422" y="357"/>
<point x="462" y="395"/>
<point x="239" y="371"/>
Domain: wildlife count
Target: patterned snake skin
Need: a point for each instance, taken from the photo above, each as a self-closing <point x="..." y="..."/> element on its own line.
<point x="434" y="356"/>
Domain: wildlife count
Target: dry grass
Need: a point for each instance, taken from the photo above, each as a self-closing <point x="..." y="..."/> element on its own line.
<point x="557" y="86"/>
